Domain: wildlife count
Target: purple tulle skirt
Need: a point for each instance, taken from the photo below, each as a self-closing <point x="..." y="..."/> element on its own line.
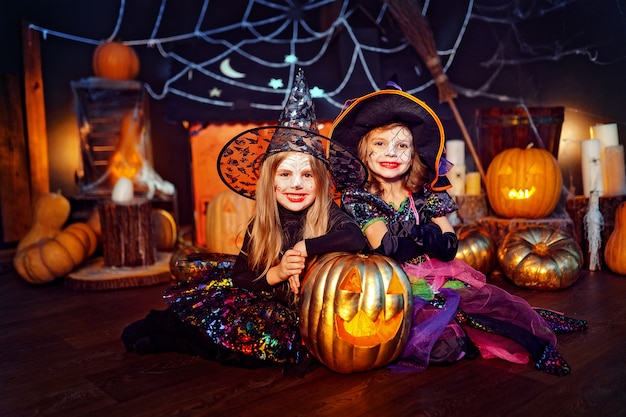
<point x="473" y="297"/>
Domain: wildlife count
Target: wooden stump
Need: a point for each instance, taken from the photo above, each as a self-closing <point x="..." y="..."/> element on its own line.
<point x="127" y="235"/>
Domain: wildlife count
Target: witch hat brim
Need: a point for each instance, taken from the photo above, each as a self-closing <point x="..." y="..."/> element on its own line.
<point x="240" y="160"/>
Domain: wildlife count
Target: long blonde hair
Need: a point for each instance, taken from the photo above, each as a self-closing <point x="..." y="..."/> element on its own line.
<point x="413" y="179"/>
<point x="266" y="239"/>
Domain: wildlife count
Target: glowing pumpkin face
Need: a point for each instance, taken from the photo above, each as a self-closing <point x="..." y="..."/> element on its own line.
<point x="355" y="313"/>
<point x="524" y="183"/>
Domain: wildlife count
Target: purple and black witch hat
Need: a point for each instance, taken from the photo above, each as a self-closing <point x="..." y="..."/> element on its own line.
<point x="239" y="161"/>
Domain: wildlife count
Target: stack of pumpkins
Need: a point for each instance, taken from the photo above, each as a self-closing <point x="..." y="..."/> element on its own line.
<point x="524" y="183"/>
<point x="49" y="250"/>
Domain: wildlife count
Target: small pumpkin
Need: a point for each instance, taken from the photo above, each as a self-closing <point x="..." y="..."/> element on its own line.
<point x="116" y="61"/>
<point x="54" y="257"/>
<point x="227" y="217"/>
<point x="615" y="249"/>
<point x="476" y="248"/>
<point x="50" y="212"/>
<point x="355" y="312"/>
<point x="540" y="257"/>
<point x="524" y="183"/>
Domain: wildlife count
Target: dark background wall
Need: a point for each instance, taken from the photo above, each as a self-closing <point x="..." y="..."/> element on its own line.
<point x="537" y="53"/>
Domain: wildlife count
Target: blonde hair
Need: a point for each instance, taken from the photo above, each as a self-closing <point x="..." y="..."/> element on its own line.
<point x="413" y="179"/>
<point x="266" y="238"/>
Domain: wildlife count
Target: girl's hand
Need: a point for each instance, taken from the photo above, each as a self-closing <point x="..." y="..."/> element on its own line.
<point x="294" y="284"/>
<point x="292" y="263"/>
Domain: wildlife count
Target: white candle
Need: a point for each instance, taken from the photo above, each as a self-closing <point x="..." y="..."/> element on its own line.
<point x="455" y="152"/>
<point x="591" y="166"/>
<point x="472" y="183"/>
<point x="615" y="171"/>
<point x="456" y="175"/>
<point x="607" y="134"/>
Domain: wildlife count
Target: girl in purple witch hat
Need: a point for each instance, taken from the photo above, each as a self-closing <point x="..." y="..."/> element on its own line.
<point x="402" y="211"/>
<point x="248" y="315"/>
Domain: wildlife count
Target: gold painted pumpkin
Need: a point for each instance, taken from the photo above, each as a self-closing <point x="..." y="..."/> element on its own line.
<point x="116" y="61"/>
<point x="615" y="250"/>
<point x="355" y="311"/>
<point x="541" y="258"/>
<point x="476" y="248"/>
<point x="524" y="183"/>
<point x="227" y="217"/>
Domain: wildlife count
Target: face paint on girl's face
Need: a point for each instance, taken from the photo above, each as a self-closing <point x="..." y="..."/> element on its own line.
<point x="390" y="152"/>
<point x="294" y="185"/>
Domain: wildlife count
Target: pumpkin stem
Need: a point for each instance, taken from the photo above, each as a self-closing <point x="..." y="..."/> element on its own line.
<point x="541" y="249"/>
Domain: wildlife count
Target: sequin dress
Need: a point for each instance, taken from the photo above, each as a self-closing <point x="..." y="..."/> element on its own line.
<point x="238" y="311"/>
<point x="451" y="299"/>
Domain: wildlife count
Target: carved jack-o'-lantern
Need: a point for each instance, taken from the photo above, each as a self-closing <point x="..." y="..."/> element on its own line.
<point x="541" y="258"/>
<point x="356" y="311"/>
<point x="476" y="248"/>
<point x="524" y="183"/>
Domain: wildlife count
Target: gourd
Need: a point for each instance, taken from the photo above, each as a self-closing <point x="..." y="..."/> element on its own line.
<point x="540" y="257"/>
<point x="523" y="183"/>
<point x="476" y="248"/>
<point x="50" y="212"/>
<point x="355" y="311"/>
<point x="615" y="249"/>
<point x="116" y="61"/>
<point x="47" y="251"/>
<point x="227" y="217"/>
<point x="57" y="256"/>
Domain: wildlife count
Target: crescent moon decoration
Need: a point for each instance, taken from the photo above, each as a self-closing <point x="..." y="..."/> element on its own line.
<point x="228" y="71"/>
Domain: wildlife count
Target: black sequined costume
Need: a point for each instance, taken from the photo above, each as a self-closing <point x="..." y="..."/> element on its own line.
<point x="231" y="311"/>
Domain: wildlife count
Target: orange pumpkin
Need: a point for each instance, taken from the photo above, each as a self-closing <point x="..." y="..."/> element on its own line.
<point x="227" y="216"/>
<point x="476" y="248"/>
<point x="524" y="183"/>
<point x="56" y="256"/>
<point x="615" y="250"/>
<point x="355" y="312"/>
<point x="116" y="61"/>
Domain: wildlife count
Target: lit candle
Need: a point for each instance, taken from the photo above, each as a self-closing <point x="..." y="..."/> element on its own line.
<point x="472" y="183"/>
<point x="455" y="152"/>
<point x="591" y="166"/>
<point x="607" y="135"/>
<point x="615" y="171"/>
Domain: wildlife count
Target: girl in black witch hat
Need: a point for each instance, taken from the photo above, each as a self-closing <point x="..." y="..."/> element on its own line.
<point x="249" y="313"/>
<point x="402" y="211"/>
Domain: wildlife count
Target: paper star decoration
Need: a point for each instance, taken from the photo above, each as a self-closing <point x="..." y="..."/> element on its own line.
<point x="276" y="83"/>
<point x="316" y="92"/>
<point x="291" y="59"/>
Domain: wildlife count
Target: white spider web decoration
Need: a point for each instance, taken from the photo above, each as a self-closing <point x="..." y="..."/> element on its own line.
<point x="236" y="60"/>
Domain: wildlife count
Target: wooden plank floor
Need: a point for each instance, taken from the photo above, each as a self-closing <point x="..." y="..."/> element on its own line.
<point x="62" y="356"/>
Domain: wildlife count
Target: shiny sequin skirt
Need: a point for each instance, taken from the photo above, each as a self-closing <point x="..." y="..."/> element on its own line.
<point x="253" y="323"/>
